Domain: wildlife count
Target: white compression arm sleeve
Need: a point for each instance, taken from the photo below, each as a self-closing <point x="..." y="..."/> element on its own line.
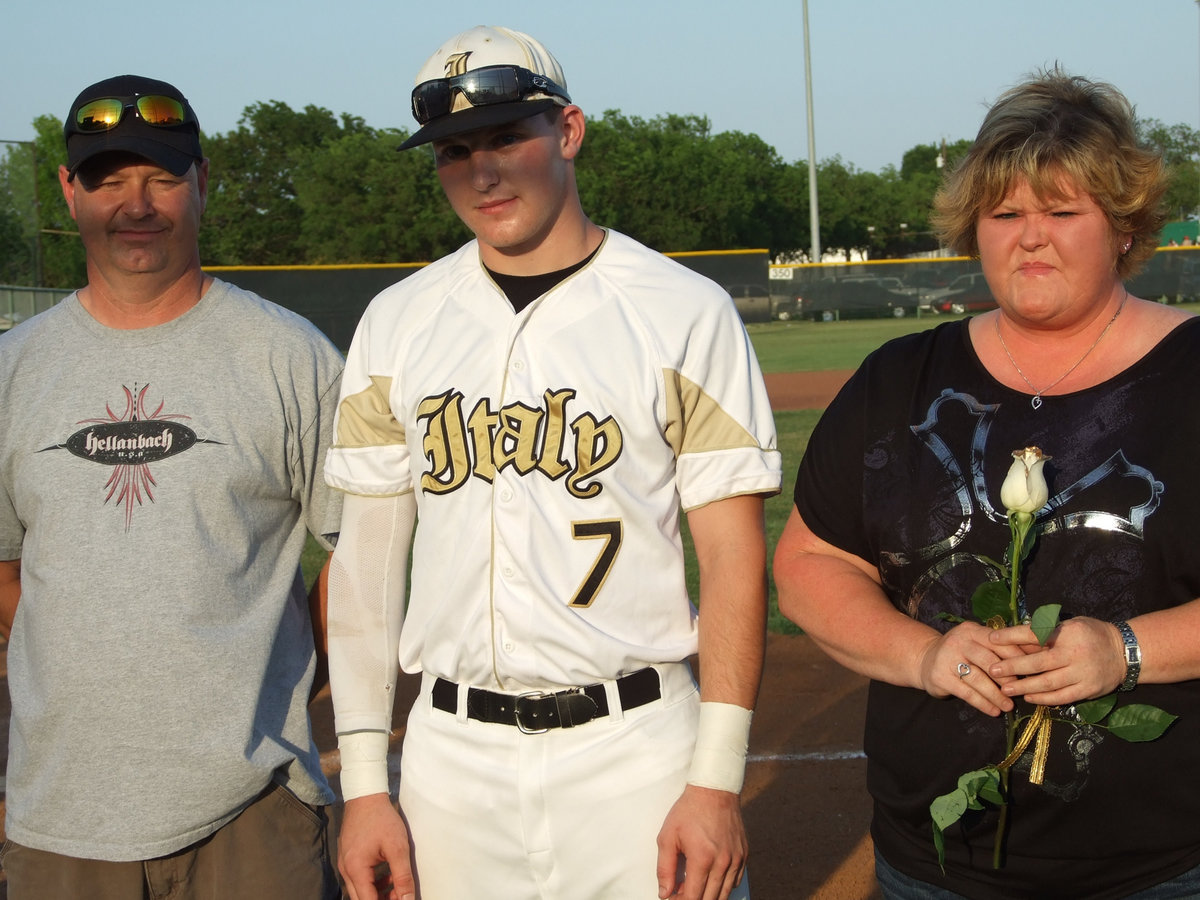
<point x="367" y="584"/>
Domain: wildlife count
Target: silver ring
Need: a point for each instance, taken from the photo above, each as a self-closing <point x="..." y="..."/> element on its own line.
<point x="963" y="670"/>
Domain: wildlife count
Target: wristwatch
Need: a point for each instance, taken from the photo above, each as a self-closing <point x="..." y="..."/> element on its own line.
<point x="1133" y="656"/>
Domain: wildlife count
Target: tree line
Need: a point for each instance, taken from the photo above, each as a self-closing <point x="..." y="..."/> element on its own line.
<point x="304" y="187"/>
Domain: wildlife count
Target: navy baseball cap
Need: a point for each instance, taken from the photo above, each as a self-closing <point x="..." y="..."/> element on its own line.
<point x="133" y="114"/>
<point x="484" y="77"/>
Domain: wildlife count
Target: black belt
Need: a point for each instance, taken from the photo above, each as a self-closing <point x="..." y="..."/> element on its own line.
<point x="536" y="711"/>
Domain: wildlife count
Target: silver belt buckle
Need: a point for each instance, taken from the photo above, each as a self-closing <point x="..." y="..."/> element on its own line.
<point x="528" y="695"/>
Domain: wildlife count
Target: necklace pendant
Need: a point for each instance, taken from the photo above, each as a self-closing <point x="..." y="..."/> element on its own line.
<point x="1036" y="402"/>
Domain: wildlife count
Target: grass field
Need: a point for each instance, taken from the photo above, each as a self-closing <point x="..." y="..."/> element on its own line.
<point x="820" y="346"/>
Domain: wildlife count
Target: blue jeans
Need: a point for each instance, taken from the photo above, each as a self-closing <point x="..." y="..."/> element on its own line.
<point x="895" y="885"/>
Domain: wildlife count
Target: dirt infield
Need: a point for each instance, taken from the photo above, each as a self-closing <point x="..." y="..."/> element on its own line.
<point x="804" y="390"/>
<point x="805" y="802"/>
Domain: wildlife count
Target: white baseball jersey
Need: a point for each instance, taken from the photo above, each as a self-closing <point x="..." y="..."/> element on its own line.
<point x="551" y="451"/>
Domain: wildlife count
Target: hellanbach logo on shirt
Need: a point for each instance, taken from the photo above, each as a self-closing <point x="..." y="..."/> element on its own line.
<point x="129" y="443"/>
<point x="132" y="443"/>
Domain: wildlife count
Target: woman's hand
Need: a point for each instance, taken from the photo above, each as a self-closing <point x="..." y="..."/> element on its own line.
<point x="959" y="664"/>
<point x="1082" y="659"/>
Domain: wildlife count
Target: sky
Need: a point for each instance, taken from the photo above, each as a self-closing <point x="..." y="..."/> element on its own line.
<point x="886" y="75"/>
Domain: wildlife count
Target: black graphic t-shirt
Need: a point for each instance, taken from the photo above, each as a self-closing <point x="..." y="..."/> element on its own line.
<point x="904" y="470"/>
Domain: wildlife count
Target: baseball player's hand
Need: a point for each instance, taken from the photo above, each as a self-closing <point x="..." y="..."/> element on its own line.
<point x="373" y="851"/>
<point x="702" y="846"/>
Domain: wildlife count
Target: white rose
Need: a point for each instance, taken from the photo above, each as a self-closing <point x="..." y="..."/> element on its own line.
<point x="1024" y="489"/>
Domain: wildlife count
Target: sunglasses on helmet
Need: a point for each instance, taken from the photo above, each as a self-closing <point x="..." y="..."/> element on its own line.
<point x="486" y="86"/>
<point x="106" y="113"/>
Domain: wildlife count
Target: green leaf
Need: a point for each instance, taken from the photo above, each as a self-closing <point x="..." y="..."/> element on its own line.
<point x="990" y="599"/>
<point x="1139" y="722"/>
<point x="1092" y="711"/>
<point x="1044" y="621"/>
<point x="950" y="617"/>
<point x="948" y="808"/>
<point x="980" y="784"/>
<point x="972" y="781"/>
<point x="989" y="791"/>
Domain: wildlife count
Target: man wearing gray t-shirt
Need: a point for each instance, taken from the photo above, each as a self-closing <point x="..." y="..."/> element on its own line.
<point x="162" y="435"/>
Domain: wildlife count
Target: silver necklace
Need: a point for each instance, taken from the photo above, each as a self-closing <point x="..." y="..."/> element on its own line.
<point x="1036" y="400"/>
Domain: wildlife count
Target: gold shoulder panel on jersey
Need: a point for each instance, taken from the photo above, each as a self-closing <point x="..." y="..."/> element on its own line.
<point x="696" y="423"/>
<point x="365" y="419"/>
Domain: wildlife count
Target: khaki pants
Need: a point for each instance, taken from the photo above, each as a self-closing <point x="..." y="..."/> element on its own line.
<point x="276" y="849"/>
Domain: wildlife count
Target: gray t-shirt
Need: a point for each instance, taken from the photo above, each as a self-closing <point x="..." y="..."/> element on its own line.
<point x="157" y="485"/>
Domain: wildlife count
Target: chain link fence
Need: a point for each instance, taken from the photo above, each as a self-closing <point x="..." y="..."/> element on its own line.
<point x="334" y="297"/>
<point x="954" y="285"/>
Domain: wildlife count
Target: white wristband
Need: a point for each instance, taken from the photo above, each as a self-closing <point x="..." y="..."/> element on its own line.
<point x="364" y="763"/>
<point x="719" y="760"/>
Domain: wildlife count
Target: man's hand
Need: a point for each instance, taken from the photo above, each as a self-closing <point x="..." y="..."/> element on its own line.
<point x="702" y="846"/>
<point x="373" y="840"/>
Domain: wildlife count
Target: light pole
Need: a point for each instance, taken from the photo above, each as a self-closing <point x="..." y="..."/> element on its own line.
<point x="814" y="214"/>
<point x="37" y="212"/>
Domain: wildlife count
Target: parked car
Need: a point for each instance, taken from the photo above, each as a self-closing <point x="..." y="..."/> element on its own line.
<point x="927" y="278"/>
<point x="887" y="282"/>
<point x="966" y="293"/>
<point x="786" y="307"/>
<point x="753" y="301"/>
<point x="857" y="297"/>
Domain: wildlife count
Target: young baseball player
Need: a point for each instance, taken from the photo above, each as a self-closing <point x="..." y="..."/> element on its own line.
<point x="545" y="400"/>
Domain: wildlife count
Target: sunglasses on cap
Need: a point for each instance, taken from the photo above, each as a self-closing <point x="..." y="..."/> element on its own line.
<point x="106" y="113"/>
<point x="486" y="86"/>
